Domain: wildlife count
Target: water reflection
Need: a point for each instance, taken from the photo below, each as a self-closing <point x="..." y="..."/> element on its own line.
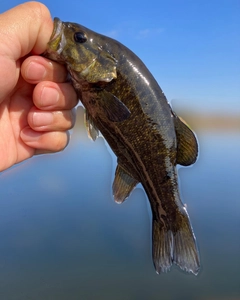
<point x="63" y="237"/>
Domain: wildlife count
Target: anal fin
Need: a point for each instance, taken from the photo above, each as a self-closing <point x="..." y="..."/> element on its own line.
<point x="123" y="184"/>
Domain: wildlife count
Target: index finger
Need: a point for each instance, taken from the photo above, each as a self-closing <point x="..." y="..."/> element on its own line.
<point x="35" y="69"/>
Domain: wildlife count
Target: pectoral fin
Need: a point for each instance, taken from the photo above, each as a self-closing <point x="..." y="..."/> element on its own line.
<point x="123" y="185"/>
<point x="92" y="130"/>
<point x="115" y="110"/>
<point x="187" y="146"/>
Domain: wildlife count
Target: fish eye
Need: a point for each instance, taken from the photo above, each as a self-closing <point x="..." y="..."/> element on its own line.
<point x="80" y="37"/>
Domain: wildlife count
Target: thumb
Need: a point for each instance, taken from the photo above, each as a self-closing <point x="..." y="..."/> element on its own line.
<point x="25" y="28"/>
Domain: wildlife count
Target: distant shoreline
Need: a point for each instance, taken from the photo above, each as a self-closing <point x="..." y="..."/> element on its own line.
<point x="196" y="120"/>
<point x="210" y="121"/>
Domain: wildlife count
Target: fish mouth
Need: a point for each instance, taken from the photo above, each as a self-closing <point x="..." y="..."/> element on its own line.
<point x="57" y="39"/>
<point x="56" y="29"/>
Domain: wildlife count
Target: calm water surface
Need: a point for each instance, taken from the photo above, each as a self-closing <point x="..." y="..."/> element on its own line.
<point x="63" y="237"/>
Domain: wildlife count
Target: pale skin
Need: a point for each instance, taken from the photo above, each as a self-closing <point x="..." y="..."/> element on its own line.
<point x="36" y="102"/>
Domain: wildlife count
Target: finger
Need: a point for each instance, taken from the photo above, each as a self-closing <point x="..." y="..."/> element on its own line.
<point x="40" y="120"/>
<point x="24" y="28"/>
<point x="52" y="141"/>
<point x="49" y="95"/>
<point x="37" y="68"/>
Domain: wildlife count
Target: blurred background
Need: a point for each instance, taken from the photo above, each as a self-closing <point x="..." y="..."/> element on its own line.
<point x="61" y="234"/>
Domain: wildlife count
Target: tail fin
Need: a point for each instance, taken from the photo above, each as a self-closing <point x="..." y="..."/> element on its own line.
<point x="175" y="244"/>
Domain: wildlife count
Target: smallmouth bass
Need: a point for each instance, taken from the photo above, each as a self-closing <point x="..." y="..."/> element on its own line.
<point x="124" y="102"/>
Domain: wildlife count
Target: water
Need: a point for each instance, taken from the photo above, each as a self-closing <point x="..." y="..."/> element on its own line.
<point x="63" y="237"/>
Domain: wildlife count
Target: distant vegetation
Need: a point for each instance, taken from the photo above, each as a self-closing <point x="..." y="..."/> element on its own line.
<point x="196" y="120"/>
<point x="211" y="121"/>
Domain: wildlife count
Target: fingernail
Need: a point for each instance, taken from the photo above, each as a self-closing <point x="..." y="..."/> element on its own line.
<point x="29" y="135"/>
<point x="42" y="118"/>
<point x="35" y="71"/>
<point x="49" y="96"/>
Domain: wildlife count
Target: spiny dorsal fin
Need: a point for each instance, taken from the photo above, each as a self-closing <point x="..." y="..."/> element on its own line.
<point x="187" y="146"/>
<point x="92" y="130"/>
<point x="123" y="184"/>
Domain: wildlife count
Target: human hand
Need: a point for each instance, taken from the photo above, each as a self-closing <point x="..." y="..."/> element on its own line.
<point x="36" y="102"/>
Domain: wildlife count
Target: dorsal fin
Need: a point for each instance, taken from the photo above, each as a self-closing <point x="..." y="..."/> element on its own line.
<point x="187" y="146"/>
<point x="123" y="184"/>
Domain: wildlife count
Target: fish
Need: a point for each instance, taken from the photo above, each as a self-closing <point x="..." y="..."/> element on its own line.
<point x="125" y="104"/>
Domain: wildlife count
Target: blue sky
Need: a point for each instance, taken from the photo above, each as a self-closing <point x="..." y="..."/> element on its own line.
<point x="191" y="47"/>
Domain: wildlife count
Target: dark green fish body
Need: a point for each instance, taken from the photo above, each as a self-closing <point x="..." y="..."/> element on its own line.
<point x="125" y="103"/>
